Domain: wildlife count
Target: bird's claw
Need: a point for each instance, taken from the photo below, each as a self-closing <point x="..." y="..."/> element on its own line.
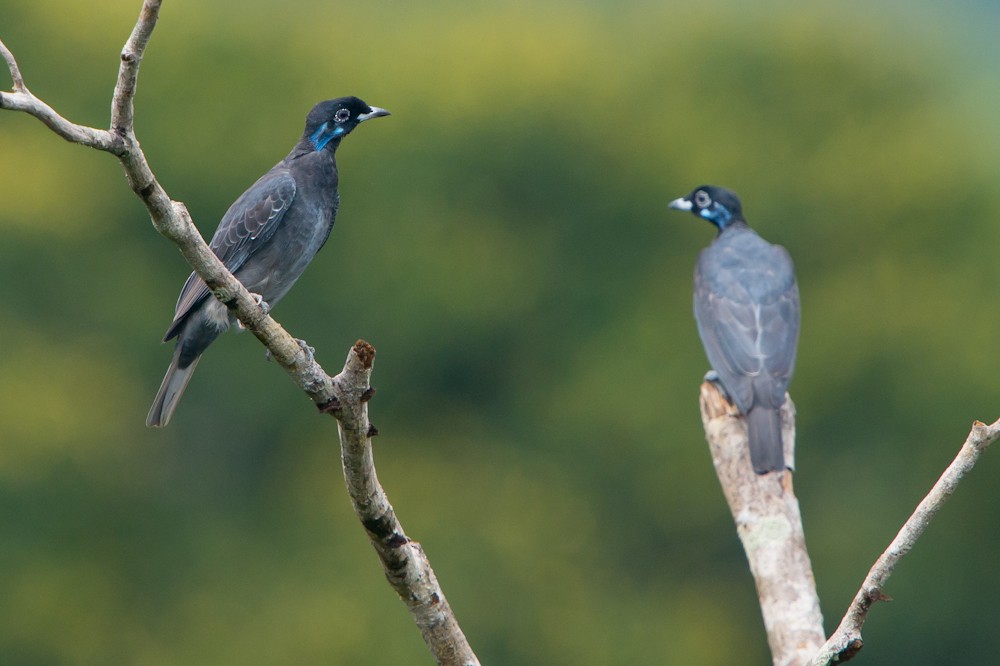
<point x="310" y="352"/>
<point x="713" y="377"/>
<point x="261" y="303"/>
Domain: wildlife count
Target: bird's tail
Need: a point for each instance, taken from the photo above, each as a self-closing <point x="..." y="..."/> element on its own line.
<point x="767" y="452"/>
<point x="171" y="390"/>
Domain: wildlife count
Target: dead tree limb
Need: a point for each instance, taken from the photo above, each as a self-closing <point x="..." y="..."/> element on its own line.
<point x="769" y="525"/>
<point x="846" y="640"/>
<point x="345" y="396"/>
<point x="406" y="566"/>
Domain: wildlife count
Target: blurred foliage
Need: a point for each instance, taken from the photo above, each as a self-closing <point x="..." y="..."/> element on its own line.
<point x="504" y="242"/>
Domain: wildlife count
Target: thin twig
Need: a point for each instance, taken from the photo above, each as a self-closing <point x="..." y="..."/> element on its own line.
<point x="847" y="641"/>
<point x="15" y="72"/>
<point x="405" y="564"/>
<point x="122" y="114"/>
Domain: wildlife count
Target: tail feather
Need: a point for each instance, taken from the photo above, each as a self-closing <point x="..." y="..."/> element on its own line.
<point x="767" y="452"/>
<point x="171" y="390"/>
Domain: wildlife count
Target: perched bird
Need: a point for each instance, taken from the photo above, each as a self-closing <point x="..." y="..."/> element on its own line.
<point x="266" y="239"/>
<point x="746" y="303"/>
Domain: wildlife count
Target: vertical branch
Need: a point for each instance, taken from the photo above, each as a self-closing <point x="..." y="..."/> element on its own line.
<point x="122" y="112"/>
<point x="769" y="525"/>
<point x="405" y="564"/>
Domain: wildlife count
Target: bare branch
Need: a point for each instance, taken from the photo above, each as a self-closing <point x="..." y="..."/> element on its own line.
<point x="345" y="396"/>
<point x="405" y="564"/>
<point x="769" y="525"/>
<point x="847" y="641"/>
<point x="21" y="99"/>
<point x="15" y="72"/>
<point x="169" y="217"/>
<point x="122" y="115"/>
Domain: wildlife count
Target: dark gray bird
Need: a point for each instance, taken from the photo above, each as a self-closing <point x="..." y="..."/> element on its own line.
<point x="266" y="239"/>
<point x="746" y="303"/>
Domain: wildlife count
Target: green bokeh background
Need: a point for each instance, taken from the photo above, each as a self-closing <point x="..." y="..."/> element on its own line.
<point x="504" y="242"/>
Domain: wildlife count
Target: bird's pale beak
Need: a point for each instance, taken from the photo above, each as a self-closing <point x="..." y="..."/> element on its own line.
<point x="375" y="113"/>
<point x="680" y="204"/>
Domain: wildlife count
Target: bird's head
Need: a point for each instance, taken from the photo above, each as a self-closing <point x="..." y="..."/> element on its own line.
<point x="334" y="119"/>
<point x="718" y="205"/>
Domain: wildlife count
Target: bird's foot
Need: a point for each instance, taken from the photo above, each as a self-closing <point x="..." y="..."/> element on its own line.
<point x="261" y="303"/>
<point x="310" y="352"/>
<point x="713" y="377"/>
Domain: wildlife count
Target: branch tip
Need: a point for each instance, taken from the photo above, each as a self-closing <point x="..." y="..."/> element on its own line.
<point x="365" y="352"/>
<point x="15" y="72"/>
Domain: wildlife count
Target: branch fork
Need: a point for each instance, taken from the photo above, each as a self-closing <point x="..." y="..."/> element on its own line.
<point x="769" y="525"/>
<point x="345" y="396"/>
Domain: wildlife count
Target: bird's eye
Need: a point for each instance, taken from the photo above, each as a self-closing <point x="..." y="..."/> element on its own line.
<point x="341" y="115"/>
<point x="701" y="199"/>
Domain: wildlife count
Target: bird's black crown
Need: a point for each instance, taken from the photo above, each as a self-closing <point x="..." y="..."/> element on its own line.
<point x="718" y="205"/>
<point x="335" y="118"/>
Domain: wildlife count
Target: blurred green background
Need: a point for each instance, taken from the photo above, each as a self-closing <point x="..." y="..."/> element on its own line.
<point x="504" y="242"/>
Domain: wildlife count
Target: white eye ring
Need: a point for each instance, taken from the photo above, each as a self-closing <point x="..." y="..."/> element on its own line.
<point x="701" y="199"/>
<point x="341" y="115"/>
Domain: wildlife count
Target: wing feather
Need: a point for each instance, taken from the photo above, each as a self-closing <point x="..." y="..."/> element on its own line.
<point x="247" y="225"/>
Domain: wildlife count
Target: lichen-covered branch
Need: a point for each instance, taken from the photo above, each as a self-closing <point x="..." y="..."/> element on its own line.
<point x="846" y="641"/>
<point x="345" y="396"/>
<point x="406" y="566"/>
<point x="769" y="525"/>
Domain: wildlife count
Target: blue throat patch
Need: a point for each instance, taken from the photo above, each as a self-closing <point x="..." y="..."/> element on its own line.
<point x="324" y="135"/>
<point x="717" y="215"/>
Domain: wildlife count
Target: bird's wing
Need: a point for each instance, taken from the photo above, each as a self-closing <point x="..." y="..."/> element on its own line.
<point x="247" y="225"/>
<point x="780" y="328"/>
<point x="728" y="331"/>
<point x="750" y="332"/>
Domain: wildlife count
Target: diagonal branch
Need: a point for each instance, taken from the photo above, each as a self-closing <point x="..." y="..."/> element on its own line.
<point x="406" y="566"/>
<point x="170" y="218"/>
<point x="345" y="396"/>
<point x="122" y="113"/>
<point x="846" y="641"/>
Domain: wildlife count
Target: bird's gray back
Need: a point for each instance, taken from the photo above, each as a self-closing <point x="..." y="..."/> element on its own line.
<point x="747" y="309"/>
<point x="304" y="229"/>
<point x="272" y="231"/>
